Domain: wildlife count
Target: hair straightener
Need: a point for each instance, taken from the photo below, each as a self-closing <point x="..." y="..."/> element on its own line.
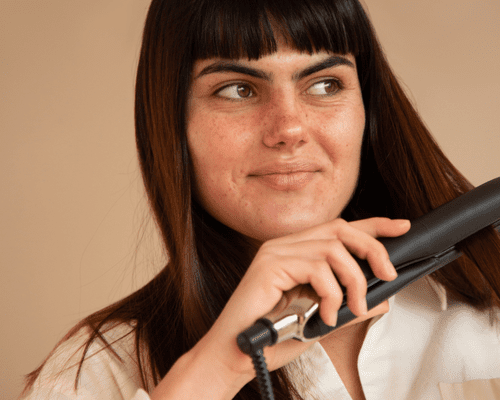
<point x="426" y="247"/>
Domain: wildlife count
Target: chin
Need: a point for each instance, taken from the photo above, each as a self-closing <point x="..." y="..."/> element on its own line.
<point x="268" y="230"/>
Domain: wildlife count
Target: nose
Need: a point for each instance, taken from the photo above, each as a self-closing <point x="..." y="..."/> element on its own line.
<point x="286" y="127"/>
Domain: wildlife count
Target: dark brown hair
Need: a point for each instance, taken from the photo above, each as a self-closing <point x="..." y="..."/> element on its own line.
<point x="403" y="173"/>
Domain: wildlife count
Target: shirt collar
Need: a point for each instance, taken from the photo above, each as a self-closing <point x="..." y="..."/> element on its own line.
<point x="435" y="286"/>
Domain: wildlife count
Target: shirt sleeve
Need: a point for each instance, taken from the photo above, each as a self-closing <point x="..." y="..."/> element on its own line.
<point x="47" y="393"/>
<point x="104" y="375"/>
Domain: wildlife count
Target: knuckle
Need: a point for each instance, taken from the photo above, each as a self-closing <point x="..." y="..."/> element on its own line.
<point x="336" y="297"/>
<point x="353" y="281"/>
<point x="356" y="280"/>
<point x="377" y="249"/>
<point x="267" y="245"/>
<point x="380" y="250"/>
<point x="333" y="246"/>
<point x="334" y="250"/>
<point x="341" y="223"/>
<point x="338" y="223"/>
<point x="337" y="301"/>
<point x="319" y="265"/>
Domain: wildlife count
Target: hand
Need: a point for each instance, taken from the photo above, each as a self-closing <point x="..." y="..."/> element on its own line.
<point x="320" y="256"/>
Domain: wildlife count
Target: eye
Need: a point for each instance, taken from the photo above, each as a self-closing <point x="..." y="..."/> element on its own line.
<point x="325" y="88"/>
<point x="236" y="91"/>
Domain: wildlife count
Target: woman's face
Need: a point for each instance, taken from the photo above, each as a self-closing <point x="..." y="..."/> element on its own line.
<point x="275" y="142"/>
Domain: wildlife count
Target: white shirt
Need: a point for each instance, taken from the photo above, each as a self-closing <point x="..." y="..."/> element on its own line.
<point x="424" y="348"/>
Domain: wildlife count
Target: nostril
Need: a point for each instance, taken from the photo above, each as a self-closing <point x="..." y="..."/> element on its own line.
<point x="284" y="135"/>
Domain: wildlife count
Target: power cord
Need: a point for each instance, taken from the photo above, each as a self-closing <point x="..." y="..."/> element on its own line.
<point x="252" y="342"/>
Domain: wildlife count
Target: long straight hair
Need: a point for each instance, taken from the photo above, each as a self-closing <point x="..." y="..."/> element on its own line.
<point x="403" y="172"/>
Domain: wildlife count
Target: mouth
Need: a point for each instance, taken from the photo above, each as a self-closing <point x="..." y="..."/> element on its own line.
<point x="286" y="182"/>
<point x="286" y="168"/>
<point x="286" y="176"/>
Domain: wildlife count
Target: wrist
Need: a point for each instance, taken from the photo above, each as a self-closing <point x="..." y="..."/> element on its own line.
<point x="208" y="367"/>
<point x="196" y="376"/>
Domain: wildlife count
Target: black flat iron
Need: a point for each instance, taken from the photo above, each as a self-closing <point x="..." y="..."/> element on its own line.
<point x="427" y="246"/>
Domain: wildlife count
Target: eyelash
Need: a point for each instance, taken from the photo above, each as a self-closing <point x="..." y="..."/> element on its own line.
<point x="337" y="83"/>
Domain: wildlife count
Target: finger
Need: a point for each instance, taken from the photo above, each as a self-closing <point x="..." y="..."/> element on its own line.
<point x="366" y="247"/>
<point x="343" y="269"/>
<point x="375" y="227"/>
<point x="318" y="232"/>
<point x="279" y="273"/>
<point x="382" y="227"/>
<point x="327" y="287"/>
<point x="315" y="268"/>
<point x="329" y="264"/>
<point x="380" y="309"/>
<point x="349" y="274"/>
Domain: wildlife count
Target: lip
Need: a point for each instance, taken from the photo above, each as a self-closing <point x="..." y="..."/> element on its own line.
<point x="286" y="176"/>
<point x="286" y="168"/>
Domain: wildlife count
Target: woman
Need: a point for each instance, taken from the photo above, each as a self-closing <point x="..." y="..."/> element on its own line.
<point x="274" y="141"/>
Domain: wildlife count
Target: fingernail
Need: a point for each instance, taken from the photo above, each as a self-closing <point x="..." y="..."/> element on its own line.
<point x="404" y="222"/>
<point x="333" y="320"/>
<point x="391" y="271"/>
<point x="364" y="307"/>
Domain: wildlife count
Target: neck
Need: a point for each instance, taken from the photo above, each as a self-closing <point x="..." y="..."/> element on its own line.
<point x="345" y="343"/>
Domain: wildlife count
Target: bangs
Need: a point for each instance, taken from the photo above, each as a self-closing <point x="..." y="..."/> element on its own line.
<point x="250" y="28"/>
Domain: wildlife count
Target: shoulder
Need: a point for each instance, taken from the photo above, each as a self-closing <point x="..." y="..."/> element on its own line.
<point x="110" y="366"/>
<point x="470" y="335"/>
<point x="457" y="338"/>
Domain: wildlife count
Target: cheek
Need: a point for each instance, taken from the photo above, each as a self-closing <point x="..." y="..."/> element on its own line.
<point x="343" y="134"/>
<point x="217" y="148"/>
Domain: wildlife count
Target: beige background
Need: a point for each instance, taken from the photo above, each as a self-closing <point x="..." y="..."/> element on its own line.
<point x="74" y="229"/>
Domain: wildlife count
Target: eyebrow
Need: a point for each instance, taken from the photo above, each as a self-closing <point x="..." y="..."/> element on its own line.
<point x="234" y="66"/>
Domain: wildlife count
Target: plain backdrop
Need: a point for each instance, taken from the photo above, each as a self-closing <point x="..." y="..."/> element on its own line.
<point x="75" y="232"/>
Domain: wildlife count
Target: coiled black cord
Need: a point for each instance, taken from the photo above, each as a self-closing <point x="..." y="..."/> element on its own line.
<point x="263" y="377"/>
<point x="252" y="342"/>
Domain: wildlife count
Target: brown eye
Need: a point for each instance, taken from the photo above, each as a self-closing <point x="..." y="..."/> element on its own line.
<point x="244" y="91"/>
<point x="330" y="87"/>
<point x="237" y="91"/>
<point x="325" y="88"/>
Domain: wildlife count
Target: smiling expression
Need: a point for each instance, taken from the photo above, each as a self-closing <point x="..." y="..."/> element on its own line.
<point x="275" y="142"/>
